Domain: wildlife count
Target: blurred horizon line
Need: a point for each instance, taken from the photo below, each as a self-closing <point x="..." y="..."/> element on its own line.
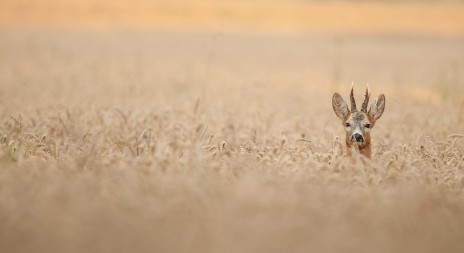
<point x="420" y="18"/>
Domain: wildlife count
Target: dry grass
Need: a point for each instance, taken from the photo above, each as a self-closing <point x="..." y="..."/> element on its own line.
<point x="221" y="142"/>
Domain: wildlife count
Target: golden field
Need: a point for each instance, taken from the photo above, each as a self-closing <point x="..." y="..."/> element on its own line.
<point x="180" y="136"/>
<point x="430" y="18"/>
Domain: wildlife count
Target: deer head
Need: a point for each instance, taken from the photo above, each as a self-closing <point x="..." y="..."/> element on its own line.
<point x="358" y="124"/>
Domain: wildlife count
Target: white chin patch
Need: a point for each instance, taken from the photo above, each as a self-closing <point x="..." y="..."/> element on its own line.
<point x="359" y="143"/>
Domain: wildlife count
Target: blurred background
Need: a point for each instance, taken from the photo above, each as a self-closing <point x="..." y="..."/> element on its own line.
<point x="432" y="17"/>
<point x="112" y="51"/>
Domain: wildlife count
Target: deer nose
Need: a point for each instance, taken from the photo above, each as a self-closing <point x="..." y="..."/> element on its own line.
<point x="358" y="137"/>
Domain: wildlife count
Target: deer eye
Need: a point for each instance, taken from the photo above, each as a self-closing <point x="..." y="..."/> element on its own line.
<point x="368" y="125"/>
<point x="347" y="124"/>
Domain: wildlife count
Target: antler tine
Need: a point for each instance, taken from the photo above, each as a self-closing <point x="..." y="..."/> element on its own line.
<point x="366" y="100"/>
<point x="353" y="103"/>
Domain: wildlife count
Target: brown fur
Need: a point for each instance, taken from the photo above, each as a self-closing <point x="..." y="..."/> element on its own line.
<point x="360" y="122"/>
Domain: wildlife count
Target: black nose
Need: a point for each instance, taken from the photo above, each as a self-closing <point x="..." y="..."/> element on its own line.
<point x="358" y="138"/>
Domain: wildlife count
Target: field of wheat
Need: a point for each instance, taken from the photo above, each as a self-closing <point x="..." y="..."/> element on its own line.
<point x="158" y="140"/>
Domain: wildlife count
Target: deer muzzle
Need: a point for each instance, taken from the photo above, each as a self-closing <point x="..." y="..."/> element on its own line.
<point x="357" y="138"/>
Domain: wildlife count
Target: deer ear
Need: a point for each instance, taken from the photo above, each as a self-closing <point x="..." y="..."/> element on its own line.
<point x="340" y="107"/>
<point x="377" y="108"/>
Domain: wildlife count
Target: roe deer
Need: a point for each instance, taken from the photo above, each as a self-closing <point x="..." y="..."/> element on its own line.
<point x="358" y="124"/>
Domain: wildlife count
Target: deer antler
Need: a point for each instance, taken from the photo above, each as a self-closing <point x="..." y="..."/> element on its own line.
<point x="353" y="103"/>
<point x="366" y="100"/>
